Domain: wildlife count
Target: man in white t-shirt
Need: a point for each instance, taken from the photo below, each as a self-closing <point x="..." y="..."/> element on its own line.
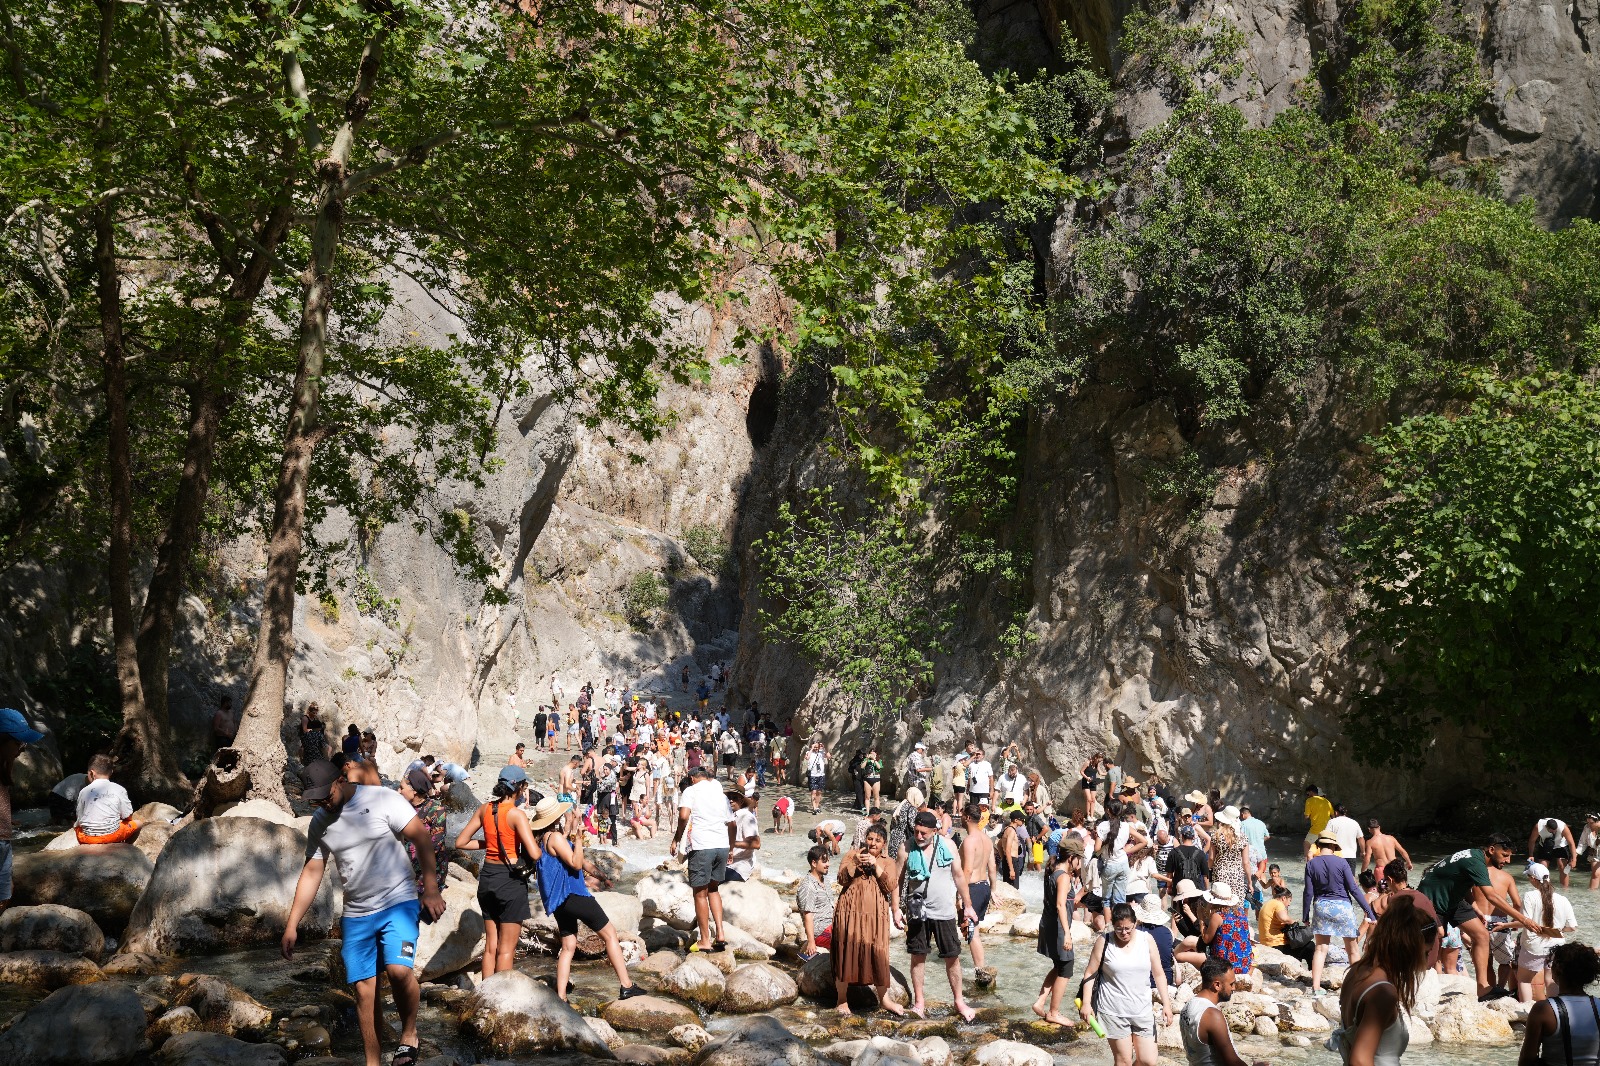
<point x="360" y="827"/>
<point x="1352" y="841"/>
<point x="105" y="814"/>
<point x="1013" y="788"/>
<point x="1551" y="843"/>
<point x="980" y="777"/>
<point x="746" y="839"/>
<point x="706" y="816"/>
<point x="816" y="767"/>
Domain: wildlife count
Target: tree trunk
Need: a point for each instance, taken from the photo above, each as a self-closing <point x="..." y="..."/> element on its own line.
<point x="208" y="404"/>
<point x="259" y="748"/>
<point x="143" y="751"/>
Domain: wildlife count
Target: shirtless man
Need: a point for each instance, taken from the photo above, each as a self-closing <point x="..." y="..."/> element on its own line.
<point x="1382" y="849"/>
<point x="1503" y="933"/>
<point x="977" y="857"/>
<point x="568" y="788"/>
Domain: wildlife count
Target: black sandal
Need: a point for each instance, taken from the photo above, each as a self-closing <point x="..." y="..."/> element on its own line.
<point x="405" y="1055"/>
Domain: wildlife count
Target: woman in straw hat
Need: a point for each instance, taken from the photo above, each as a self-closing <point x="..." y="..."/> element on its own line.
<point x="1328" y="902"/>
<point x="1224" y="927"/>
<point x="566" y="894"/>
<point x="1231" y="861"/>
<point x="502" y="896"/>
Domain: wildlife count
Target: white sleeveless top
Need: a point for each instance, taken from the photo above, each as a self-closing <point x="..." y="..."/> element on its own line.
<point x="1123" y="983"/>
<point x="1576" y="1040"/>
<point x="1391" y="1045"/>
<point x="1198" y="1051"/>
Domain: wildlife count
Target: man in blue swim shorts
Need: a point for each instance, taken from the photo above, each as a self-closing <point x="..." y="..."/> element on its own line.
<point x="360" y="826"/>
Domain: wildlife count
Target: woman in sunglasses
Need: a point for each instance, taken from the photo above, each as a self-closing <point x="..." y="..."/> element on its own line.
<point x="1381" y="987"/>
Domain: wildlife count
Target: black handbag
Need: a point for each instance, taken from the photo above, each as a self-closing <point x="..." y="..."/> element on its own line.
<point x="524" y="868"/>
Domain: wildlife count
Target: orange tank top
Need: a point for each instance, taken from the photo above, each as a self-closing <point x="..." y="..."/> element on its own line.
<point x="497" y="832"/>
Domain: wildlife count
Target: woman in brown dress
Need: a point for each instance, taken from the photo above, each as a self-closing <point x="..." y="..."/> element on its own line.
<point x="861" y="918"/>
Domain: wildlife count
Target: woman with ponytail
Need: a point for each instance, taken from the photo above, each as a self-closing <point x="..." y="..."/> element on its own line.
<point x="1381" y="987"/>
<point x="503" y="884"/>
<point x="1547" y="907"/>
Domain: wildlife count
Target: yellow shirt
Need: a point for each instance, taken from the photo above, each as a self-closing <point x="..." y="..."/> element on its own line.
<point x="1319" y="810"/>
<point x="1269" y="928"/>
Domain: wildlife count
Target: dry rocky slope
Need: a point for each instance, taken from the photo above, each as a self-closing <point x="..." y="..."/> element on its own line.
<point x="1206" y="643"/>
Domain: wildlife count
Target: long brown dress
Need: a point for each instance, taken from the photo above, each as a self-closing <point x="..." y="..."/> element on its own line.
<point x="860" y="945"/>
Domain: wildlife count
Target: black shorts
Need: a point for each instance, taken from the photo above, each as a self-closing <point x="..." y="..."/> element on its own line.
<point x="732" y="876"/>
<point x="1465" y="912"/>
<point x="729" y="760"/>
<point x="575" y="909"/>
<point x="941" y="933"/>
<point x="1548" y="853"/>
<point x="818" y="782"/>
<point x="501" y="897"/>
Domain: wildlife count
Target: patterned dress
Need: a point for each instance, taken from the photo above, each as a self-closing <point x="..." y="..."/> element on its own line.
<point x="1233" y="940"/>
<point x="431" y="811"/>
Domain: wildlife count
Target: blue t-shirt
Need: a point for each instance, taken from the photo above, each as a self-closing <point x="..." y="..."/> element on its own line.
<point x="1254" y="832"/>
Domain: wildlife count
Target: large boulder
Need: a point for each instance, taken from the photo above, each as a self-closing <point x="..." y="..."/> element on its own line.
<point x="152" y="839"/>
<point x="81" y="1025"/>
<point x="1005" y="900"/>
<point x="758" y="987"/>
<point x="456" y="940"/>
<point x="46" y="969"/>
<point x="756" y="908"/>
<point x="624" y="910"/>
<point x="1465" y="1021"/>
<point x="51" y="927"/>
<point x="758" y="1040"/>
<point x="696" y="979"/>
<point x="103" y="880"/>
<point x="667" y="896"/>
<point x="226" y="883"/>
<point x="815" y="981"/>
<point x="214" y="1049"/>
<point x="222" y="1007"/>
<point x="648" y="1014"/>
<point x="267" y="811"/>
<point x="517" y="1015"/>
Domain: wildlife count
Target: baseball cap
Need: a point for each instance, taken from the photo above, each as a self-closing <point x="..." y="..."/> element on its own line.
<point x="15" y="726"/>
<point x="513" y="775"/>
<point x="321" y="774"/>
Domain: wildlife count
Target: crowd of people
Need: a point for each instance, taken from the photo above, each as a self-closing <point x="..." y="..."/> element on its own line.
<point x="1161" y="879"/>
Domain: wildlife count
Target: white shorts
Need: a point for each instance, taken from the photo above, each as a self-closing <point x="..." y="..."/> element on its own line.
<point x="1532" y="963"/>
<point x="1118" y="1026"/>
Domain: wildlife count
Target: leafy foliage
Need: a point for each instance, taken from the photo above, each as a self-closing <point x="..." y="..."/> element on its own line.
<point x="1480" y="557"/>
<point x="709" y="547"/>
<point x="855" y="596"/>
<point x="643" y="598"/>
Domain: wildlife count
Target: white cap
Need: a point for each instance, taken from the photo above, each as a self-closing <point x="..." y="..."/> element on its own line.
<point x="1538" y="871"/>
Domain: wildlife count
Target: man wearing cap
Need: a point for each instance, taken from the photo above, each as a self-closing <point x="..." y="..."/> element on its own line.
<point x="932" y="886"/>
<point x="15" y="734"/>
<point x="980" y="776"/>
<point x="360" y="827"/>
<point x="705" y="814"/>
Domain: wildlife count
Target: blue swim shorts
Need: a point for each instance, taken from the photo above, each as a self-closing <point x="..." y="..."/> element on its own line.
<point x="390" y="934"/>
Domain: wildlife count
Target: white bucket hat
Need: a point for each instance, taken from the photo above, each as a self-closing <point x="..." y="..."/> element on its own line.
<point x="1221" y="895"/>
<point x="1187" y="889"/>
<point x="1150" y="912"/>
<point x="1229" y="815"/>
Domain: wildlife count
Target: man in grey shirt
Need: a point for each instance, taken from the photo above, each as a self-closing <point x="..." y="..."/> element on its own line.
<point x="359" y="826"/>
<point x="932" y="881"/>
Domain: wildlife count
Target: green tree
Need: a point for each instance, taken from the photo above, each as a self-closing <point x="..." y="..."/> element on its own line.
<point x="855" y="596"/>
<point x="1480" y="562"/>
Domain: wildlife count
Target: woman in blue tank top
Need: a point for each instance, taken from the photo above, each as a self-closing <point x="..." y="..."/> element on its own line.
<point x="566" y="894"/>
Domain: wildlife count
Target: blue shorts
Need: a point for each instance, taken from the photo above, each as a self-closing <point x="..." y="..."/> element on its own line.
<point x="391" y="933"/>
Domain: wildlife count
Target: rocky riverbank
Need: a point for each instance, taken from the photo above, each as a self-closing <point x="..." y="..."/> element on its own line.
<point x="164" y="952"/>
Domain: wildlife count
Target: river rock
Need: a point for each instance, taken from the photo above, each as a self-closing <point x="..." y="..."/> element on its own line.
<point x="1008" y="1053"/>
<point x="755" y="908"/>
<point x="666" y="896"/>
<point x="517" y="1015"/>
<point x="659" y="936"/>
<point x="46" y="969"/>
<point x="80" y="1025"/>
<point x="1025" y="925"/>
<point x="214" y="1049"/>
<point x="690" y="1037"/>
<point x="1264" y="1026"/>
<point x="696" y="979"/>
<point x="175" y="1022"/>
<point x="103" y="880"/>
<point x="608" y="862"/>
<point x="604" y="1031"/>
<point x="1464" y="1021"/>
<point x="745" y="946"/>
<point x="152" y="839"/>
<point x="456" y="940"/>
<point x="648" y="1014"/>
<point x="881" y="1051"/>
<point x="1301" y="1016"/>
<point x="63" y="841"/>
<point x="267" y="811"/>
<point x="758" y="1040"/>
<point x="51" y="927"/>
<point x="156" y="811"/>
<point x="1420" y="1032"/>
<point x="649" y="1055"/>
<point x="624" y="910"/>
<point x="222" y="1007"/>
<point x="227" y="883"/>
<point x="1005" y="900"/>
<point x="758" y="987"/>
